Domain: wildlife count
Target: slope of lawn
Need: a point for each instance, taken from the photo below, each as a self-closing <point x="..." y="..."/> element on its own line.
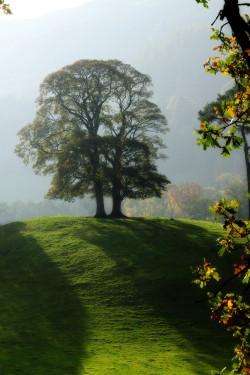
<point x="99" y="297"/>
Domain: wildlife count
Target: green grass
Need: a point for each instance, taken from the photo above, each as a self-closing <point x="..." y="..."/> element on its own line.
<point x="99" y="297"/>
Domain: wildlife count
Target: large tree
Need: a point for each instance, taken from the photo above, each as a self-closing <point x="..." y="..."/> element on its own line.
<point x="80" y="107"/>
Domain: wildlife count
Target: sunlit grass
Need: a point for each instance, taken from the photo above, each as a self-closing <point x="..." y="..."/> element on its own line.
<point x="99" y="297"/>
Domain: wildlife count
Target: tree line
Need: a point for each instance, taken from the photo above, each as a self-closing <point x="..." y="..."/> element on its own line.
<point x="191" y="200"/>
<point x="187" y="200"/>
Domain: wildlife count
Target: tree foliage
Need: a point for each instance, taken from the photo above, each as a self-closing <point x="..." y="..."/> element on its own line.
<point x="232" y="112"/>
<point x="5" y="7"/>
<point x="230" y="302"/>
<point x="203" y="2"/>
<point x="233" y="187"/>
<point x="231" y="12"/>
<point x="230" y="299"/>
<point x="224" y="126"/>
<point x="95" y="132"/>
<point x="188" y="200"/>
<point x="226" y="121"/>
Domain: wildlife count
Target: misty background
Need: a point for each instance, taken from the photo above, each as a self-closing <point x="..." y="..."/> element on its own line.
<point x="167" y="39"/>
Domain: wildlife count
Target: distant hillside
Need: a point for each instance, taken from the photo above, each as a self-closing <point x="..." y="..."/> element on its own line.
<point x="86" y="296"/>
<point x="157" y="37"/>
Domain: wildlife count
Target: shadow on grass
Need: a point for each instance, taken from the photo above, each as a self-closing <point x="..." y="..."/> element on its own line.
<point x="157" y="255"/>
<point x="42" y="322"/>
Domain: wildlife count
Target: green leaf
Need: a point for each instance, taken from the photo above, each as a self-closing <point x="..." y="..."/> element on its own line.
<point x="246" y="277"/>
<point x="247" y="331"/>
<point x="203" y="2"/>
<point x="226" y="150"/>
<point x="221" y="251"/>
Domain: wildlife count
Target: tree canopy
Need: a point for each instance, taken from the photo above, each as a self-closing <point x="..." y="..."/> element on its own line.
<point x="95" y="132"/>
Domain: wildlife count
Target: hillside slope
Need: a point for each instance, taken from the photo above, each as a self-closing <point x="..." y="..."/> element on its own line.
<point x="85" y="296"/>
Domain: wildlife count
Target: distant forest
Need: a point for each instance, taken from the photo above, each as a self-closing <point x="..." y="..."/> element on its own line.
<point x="189" y="200"/>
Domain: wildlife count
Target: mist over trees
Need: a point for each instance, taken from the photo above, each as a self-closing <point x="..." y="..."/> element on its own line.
<point x="16" y="211"/>
<point x="180" y="90"/>
<point x="55" y="40"/>
<point x="191" y="202"/>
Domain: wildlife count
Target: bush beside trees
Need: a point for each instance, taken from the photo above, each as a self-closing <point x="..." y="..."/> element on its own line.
<point x="190" y="200"/>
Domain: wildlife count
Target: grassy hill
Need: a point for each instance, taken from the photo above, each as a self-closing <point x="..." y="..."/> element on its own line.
<point x="99" y="297"/>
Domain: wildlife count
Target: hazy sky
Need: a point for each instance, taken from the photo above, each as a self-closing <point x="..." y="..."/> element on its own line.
<point x="35" y="8"/>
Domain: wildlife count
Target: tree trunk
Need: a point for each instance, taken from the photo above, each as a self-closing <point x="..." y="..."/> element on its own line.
<point x="117" y="183"/>
<point x="116" y="205"/>
<point x="100" y="209"/>
<point x="97" y="182"/>
<point x="239" y="26"/>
